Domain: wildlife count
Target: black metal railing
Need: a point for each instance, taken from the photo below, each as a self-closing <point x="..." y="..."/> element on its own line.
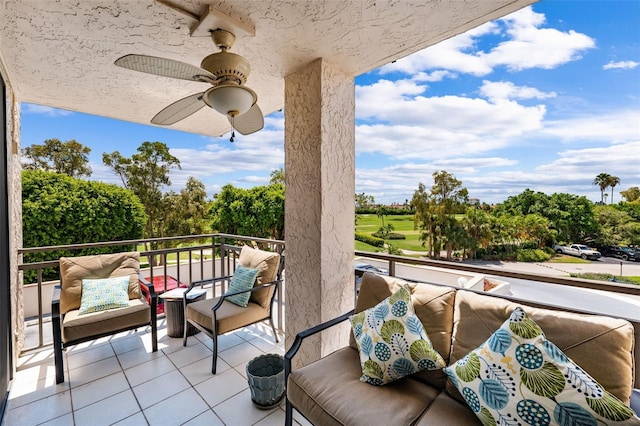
<point x="197" y="257"/>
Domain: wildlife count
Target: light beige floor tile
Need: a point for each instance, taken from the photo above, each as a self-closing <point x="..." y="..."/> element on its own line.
<point x="65" y="420"/>
<point x="98" y="390"/>
<point x="137" y="419"/>
<point x="172" y="344"/>
<point x="178" y="409"/>
<point x="239" y="410"/>
<point x="35" y="358"/>
<point x="108" y="411"/>
<point x="33" y="391"/>
<point x="276" y="418"/>
<point x="137" y="356"/>
<point x="149" y="370"/>
<point x="200" y="371"/>
<point x="34" y="373"/>
<point x="240" y="354"/>
<point x="160" y="388"/>
<point x="40" y="411"/>
<point x="226" y="341"/>
<point x="299" y="419"/>
<point x="127" y="344"/>
<point x="87" y="345"/>
<point x="89" y="356"/>
<point x="87" y="373"/>
<point x="266" y="344"/>
<point x="208" y="418"/>
<point x="221" y="387"/>
<point x="189" y="355"/>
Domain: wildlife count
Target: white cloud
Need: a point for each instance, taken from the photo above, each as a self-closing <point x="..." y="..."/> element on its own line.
<point x="610" y="127"/>
<point x="44" y="110"/>
<point x="504" y="90"/>
<point x="624" y="65"/>
<point x="527" y="45"/>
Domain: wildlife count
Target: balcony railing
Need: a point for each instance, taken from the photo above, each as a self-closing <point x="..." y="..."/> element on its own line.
<point x="199" y="257"/>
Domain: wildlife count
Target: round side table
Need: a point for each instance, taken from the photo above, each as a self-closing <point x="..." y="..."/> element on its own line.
<point x="174" y="313"/>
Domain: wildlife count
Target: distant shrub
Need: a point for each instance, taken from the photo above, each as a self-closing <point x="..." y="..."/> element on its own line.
<point x="389" y="236"/>
<point x="369" y="239"/>
<point x="532" y="255"/>
<point x="606" y="277"/>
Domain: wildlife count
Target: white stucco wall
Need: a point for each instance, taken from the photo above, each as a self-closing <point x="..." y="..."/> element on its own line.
<point x="319" y="209"/>
<point x="15" y="211"/>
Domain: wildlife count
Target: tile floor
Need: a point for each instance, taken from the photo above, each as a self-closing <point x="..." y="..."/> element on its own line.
<point x="119" y="381"/>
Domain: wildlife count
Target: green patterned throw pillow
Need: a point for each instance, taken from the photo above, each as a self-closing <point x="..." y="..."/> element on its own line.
<point x="392" y="341"/>
<point x="243" y="279"/>
<point x="519" y="377"/>
<point x="104" y="293"/>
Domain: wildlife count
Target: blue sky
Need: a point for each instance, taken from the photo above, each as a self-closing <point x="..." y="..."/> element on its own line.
<point x="545" y="98"/>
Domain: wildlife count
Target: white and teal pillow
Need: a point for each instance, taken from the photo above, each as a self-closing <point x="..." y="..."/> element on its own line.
<point x="392" y="341"/>
<point x="243" y="279"/>
<point x="519" y="377"/>
<point x="104" y="293"/>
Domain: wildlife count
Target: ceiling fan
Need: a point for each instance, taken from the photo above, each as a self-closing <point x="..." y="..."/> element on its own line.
<point x="226" y="73"/>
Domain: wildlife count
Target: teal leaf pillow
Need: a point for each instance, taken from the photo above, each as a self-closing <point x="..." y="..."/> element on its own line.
<point x="392" y="341"/>
<point x="519" y="377"/>
<point x="104" y="293"/>
<point x="243" y="279"/>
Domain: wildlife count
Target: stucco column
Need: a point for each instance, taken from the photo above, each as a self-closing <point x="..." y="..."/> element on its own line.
<point x="319" y="206"/>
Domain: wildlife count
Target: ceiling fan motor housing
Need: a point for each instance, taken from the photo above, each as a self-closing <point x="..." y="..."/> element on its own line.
<point x="227" y="66"/>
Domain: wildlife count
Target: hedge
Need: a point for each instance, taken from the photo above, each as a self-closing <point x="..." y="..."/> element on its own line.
<point x="368" y="239"/>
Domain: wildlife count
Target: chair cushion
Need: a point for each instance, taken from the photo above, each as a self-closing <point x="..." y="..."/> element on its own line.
<point x="445" y="410"/>
<point x="230" y="316"/>
<point x="104" y="293"/>
<point x="266" y="263"/>
<point x="602" y="346"/>
<point x="78" y="327"/>
<point x="392" y="342"/>
<point x="520" y="375"/>
<point x="329" y="392"/>
<point x="74" y="269"/>
<point x="243" y="279"/>
<point x="433" y="305"/>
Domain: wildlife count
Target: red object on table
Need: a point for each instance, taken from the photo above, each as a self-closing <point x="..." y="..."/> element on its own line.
<point x="161" y="283"/>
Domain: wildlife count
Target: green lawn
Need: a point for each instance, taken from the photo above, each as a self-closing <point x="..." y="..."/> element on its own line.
<point x="563" y="258"/>
<point x="402" y="224"/>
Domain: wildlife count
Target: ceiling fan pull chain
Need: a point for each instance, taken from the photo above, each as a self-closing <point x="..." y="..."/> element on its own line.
<point x="233" y="128"/>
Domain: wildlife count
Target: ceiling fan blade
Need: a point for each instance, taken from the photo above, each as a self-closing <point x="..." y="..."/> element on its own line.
<point x="179" y="110"/>
<point x="163" y="67"/>
<point x="249" y="122"/>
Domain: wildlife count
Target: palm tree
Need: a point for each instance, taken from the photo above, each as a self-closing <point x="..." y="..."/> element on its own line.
<point x="613" y="182"/>
<point x="602" y="180"/>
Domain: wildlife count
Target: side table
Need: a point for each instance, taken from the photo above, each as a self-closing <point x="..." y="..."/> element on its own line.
<point x="174" y="313"/>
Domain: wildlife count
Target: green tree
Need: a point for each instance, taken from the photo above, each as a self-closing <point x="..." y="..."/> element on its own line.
<point x="527" y="202"/>
<point x="364" y="201"/>
<point x="381" y="212"/>
<point x="632" y="194"/>
<point x="572" y="217"/>
<point x="186" y="212"/>
<point x="60" y="210"/>
<point x="602" y="180"/>
<point x="617" y="227"/>
<point x="257" y="211"/>
<point x="277" y="176"/>
<point x="146" y="173"/>
<point x="613" y="182"/>
<point x="477" y="224"/>
<point x="70" y="158"/>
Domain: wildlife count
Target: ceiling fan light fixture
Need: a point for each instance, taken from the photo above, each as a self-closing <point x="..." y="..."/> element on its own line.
<point x="230" y="98"/>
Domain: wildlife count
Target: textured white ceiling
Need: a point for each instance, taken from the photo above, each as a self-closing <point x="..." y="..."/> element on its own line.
<point x="61" y="53"/>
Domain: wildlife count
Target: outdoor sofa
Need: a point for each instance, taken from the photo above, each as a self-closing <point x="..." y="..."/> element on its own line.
<point x="329" y="391"/>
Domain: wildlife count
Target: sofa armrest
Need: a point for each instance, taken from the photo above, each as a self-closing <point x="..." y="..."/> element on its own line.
<point x="306" y="333"/>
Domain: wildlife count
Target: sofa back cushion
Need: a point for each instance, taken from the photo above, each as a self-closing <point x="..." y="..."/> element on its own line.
<point x="602" y="346"/>
<point x="74" y="269"/>
<point x="433" y="305"/>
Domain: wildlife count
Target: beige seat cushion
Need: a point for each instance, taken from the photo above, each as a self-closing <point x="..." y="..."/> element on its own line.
<point x="602" y="346"/>
<point x="230" y="316"/>
<point x="433" y="305"/>
<point x="445" y="410"/>
<point x="77" y="327"/>
<point x="266" y="262"/>
<point x="74" y="269"/>
<point x="329" y="392"/>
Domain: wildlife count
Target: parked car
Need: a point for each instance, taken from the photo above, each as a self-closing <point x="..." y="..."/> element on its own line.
<point x="579" y="250"/>
<point x="624" y="253"/>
